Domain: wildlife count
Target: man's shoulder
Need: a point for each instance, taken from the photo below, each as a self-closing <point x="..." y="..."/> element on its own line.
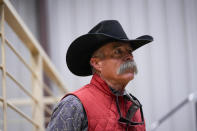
<point x="68" y="114"/>
<point x="70" y="103"/>
<point x="70" y="100"/>
<point x="73" y="95"/>
<point x="85" y="88"/>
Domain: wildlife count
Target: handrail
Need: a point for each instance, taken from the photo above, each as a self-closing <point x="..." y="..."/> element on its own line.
<point x="40" y="64"/>
<point x="22" y="114"/>
<point x="14" y="21"/>
<point x="22" y="87"/>
<point x="191" y="97"/>
<point x="20" y="58"/>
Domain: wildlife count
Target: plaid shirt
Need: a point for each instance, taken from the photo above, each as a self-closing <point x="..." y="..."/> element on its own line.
<point x="68" y="115"/>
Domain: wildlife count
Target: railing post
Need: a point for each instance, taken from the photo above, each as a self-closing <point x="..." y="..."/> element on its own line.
<point x="40" y="63"/>
<point x="37" y="90"/>
<point x="196" y="113"/>
<point x="3" y="64"/>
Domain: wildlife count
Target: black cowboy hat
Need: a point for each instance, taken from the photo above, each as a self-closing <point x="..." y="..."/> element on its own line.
<point x="81" y="49"/>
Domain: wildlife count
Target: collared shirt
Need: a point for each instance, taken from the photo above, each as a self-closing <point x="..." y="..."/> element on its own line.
<point x="69" y="114"/>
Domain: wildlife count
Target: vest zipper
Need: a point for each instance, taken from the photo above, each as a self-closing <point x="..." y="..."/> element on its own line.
<point x="127" y="128"/>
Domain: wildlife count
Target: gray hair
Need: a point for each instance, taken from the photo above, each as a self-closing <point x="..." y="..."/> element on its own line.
<point x="97" y="54"/>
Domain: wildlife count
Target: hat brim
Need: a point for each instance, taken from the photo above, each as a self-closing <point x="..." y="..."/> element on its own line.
<point x="80" y="51"/>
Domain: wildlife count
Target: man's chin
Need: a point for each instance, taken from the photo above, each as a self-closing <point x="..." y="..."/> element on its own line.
<point x="127" y="76"/>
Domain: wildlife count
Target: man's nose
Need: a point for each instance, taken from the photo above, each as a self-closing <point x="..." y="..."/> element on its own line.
<point x="128" y="57"/>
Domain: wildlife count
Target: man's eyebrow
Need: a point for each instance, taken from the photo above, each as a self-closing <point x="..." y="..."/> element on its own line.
<point x="116" y="46"/>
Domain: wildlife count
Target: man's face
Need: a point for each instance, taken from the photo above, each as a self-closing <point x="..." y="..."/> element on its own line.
<point x="115" y="55"/>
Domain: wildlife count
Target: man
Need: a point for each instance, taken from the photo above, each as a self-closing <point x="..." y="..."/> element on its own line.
<point x="103" y="104"/>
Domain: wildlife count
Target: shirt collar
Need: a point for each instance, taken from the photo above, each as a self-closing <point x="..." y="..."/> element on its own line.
<point x="117" y="93"/>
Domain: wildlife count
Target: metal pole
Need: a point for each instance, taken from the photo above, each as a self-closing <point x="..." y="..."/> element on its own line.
<point x="3" y="57"/>
<point x="196" y="113"/>
<point x="190" y="98"/>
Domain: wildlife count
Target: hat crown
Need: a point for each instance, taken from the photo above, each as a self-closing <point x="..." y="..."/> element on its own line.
<point x="110" y="28"/>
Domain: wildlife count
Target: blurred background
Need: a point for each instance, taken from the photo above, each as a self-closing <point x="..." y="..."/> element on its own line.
<point x="167" y="66"/>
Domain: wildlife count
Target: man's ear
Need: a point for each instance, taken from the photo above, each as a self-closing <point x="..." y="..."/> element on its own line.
<point x="96" y="63"/>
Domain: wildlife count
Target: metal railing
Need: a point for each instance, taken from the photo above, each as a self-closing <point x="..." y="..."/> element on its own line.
<point x="40" y="64"/>
<point x="191" y="98"/>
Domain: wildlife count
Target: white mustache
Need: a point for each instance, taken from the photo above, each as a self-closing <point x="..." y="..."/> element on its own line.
<point x="129" y="65"/>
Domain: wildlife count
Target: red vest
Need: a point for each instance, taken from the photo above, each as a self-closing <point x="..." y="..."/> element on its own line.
<point x="100" y="106"/>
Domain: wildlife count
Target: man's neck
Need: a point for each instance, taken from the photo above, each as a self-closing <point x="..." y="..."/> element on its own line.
<point x="117" y="92"/>
<point x="114" y="85"/>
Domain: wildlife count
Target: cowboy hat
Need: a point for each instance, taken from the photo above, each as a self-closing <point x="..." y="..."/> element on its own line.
<point x="81" y="49"/>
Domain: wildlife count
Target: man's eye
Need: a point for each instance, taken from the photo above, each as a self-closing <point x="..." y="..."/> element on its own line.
<point x="118" y="51"/>
<point x="130" y="51"/>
